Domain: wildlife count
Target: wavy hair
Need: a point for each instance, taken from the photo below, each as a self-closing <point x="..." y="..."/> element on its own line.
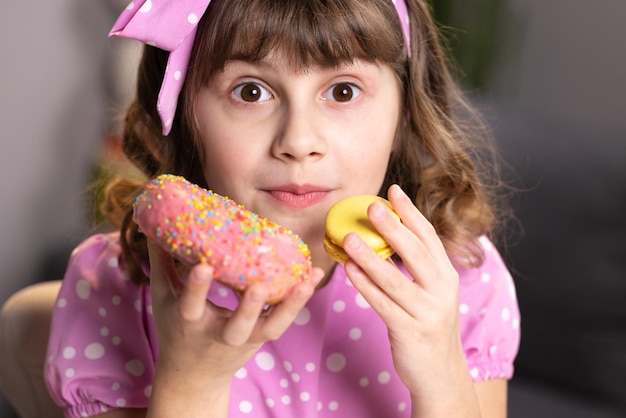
<point x="438" y="159"/>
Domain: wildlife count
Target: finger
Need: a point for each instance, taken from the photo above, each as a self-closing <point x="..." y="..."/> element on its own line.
<point x="415" y="240"/>
<point x="193" y="299"/>
<point x="164" y="280"/>
<point x="239" y="327"/>
<point x="379" y="281"/>
<point x="376" y="297"/>
<point x="404" y="241"/>
<point x="417" y="223"/>
<point x="283" y="314"/>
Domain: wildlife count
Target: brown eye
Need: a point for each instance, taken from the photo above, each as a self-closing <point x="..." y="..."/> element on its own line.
<point x="342" y="92"/>
<point x="251" y="92"/>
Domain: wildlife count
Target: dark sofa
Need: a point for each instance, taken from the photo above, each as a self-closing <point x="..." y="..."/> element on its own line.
<point x="569" y="264"/>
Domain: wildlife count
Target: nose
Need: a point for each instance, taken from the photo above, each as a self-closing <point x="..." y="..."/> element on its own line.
<point x="300" y="135"/>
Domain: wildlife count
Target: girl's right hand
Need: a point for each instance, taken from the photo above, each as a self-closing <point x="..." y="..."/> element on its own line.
<point x="202" y="346"/>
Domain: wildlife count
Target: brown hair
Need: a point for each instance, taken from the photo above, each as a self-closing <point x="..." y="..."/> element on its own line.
<point x="433" y="162"/>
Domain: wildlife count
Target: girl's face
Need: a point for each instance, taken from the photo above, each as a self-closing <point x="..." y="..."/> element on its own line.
<point x="289" y="144"/>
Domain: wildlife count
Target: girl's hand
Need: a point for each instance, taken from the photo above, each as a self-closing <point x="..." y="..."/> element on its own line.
<point x="205" y="344"/>
<point x="421" y="315"/>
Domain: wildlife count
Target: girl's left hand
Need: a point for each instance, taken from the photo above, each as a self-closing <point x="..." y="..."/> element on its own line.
<point x="421" y="315"/>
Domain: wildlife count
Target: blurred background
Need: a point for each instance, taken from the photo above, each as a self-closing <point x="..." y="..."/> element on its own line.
<point x="550" y="76"/>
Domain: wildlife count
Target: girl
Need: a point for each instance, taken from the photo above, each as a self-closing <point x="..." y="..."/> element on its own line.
<point x="288" y="106"/>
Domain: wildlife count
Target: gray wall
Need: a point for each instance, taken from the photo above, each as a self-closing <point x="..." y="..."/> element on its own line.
<point x="571" y="63"/>
<point x="55" y="110"/>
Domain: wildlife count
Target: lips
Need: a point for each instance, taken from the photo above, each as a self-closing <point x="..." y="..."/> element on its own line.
<point x="298" y="196"/>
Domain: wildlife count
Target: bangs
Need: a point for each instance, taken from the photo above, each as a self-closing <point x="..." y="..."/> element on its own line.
<point x="309" y="33"/>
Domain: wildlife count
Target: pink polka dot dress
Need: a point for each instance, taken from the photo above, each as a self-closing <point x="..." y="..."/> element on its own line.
<point x="334" y="360"/>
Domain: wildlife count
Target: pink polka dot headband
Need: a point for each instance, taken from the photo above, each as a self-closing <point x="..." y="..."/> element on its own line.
<point x="171" y="26"/>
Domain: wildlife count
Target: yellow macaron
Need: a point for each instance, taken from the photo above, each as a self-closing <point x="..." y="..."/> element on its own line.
<point x="350" y="215"/>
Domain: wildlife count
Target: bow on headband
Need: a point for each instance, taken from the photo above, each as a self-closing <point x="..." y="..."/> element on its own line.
<point x="171" y="26"/>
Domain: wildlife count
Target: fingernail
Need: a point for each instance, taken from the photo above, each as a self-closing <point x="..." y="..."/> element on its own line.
<point x="352" y="241"/>
<point x="377" y="210"/>
<point x="353" y="270"/>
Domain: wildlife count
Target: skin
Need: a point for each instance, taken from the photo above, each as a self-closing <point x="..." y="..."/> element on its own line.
<point x="308" y="146"/>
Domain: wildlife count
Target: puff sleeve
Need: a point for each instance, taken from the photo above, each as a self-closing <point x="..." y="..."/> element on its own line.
<point x="489" y="317"/>
<point x="101" y="351"/>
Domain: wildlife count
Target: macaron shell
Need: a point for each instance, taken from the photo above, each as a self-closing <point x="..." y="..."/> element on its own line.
<point x="350" y="215"/>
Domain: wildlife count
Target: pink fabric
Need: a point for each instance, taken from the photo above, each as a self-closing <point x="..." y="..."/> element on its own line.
<point x="171" y="26"/>
<point x="333" y="361"/>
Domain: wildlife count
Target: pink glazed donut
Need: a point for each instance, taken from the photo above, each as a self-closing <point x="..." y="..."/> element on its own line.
<point x="199" y="226"/>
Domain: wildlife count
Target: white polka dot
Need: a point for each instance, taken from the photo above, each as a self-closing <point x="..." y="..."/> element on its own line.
<point x="83" y="289"/>
<point x="69" y="352"/>
<point x="339" y="306"/>
<point x="355" y="334"/>
<point x="463" y="308"/>
<point x="309" y="367"/>
<point x="295" y="377"/>
<point x="284" y="383"/>
<point x="145" y="8"/>
<point x="192" y="18"/>
<point x="486" y="243"/>
<point x="116" y="340"/>
<point x="120" y="402"/>
<point x="104" y="331"/>
<point x="149" y="309"/>
<point x="265" y="361"/>
<point x="177" y="75"/>
<point x="241" y="373"/>
<point x="333" y="406"/>
<point x="288" y="366"/>
<point x="62" y="303"/>
<point x="94" y="351"/>
<point x="474" y="372"/>
<point x="116" y="300"/>
<point x="515" y="323"/>
<point x="69" y="372"/>
<point x="113" y="262"/>
<point x="135" y="367"/>
<point x="305" y="396"/>
<point x="336" y="362"/>
<point x="361" y="302"/>
<point x="270" y="402"/>
<point x="130" y="5"/>
<point x="485" y="277"/>
<point x="223" y="292"/>
<point x="364" y="381"/>
<point x="285" y="399"/>
<point x="506" y="314"/>
<point x="493" y="349"/>
<point x="102" y="312"/>
<point x="115" y="386"/>
<point x="402" y="406"/>
<point x="147" y="391"/>
<point x="384" y="378"/>
<point x="303" y="317"/>
<point x="138" y="305"/>
<point x="245" y="407"/>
